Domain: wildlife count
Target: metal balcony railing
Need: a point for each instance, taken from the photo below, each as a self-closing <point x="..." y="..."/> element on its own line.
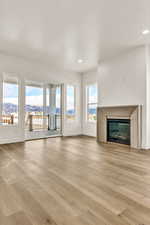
<point x="7" y="119"/>
<point x="43" y="122"/>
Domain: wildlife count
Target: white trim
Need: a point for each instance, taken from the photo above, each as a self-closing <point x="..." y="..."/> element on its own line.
<point x="11" y="140"/>
<point x="32" y="83"/>
<point x="41" y="136"/>
<point x="14" y="81"/>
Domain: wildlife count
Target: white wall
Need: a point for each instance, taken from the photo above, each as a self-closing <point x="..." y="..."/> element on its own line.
<point x="32" y="71"/>
<point x="148" y="96"/>
<point x="122" y="81"/>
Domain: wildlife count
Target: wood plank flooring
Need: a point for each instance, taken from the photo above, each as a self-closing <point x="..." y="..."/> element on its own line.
<point x="73" y="181"/>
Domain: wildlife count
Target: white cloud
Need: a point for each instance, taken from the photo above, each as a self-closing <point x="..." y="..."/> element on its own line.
<point x="11" y="100"/>
<point x="34" y="100"/>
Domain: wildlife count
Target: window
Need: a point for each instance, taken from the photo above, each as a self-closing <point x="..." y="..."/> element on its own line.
<point x="53" y="106"/>
<point x="34" y="100"/>
<point x="70" y="108"/>
<point x="91" y="102"/>
<point x="58" y="107"/>
<point x="10" y="102"/>
<point x="58" y="100"/>
<point x="48" y="100"/>
<point x="34" y="107"/>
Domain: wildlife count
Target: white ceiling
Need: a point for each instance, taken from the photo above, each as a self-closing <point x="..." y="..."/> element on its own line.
<point x="59" y="32"/>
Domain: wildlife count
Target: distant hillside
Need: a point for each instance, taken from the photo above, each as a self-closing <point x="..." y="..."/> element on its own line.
<point x="30" y="108"/>
<point x="9" y="108"/>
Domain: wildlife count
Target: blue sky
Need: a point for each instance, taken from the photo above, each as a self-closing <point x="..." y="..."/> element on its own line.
<point x="92" y="94"/>
<point x="34" y="91"/>
<point x="70" y="91"/>
<point x="70" y="97"/>
<point x="10" y="91"/>
<point x="93" y="90"/>
<point x="34" y="95"/>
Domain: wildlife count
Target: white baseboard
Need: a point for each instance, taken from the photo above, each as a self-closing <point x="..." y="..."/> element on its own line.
<point x="145" y="148"/>
<point x="12" y="140"/>
<point x="42" y="137"/>
<point x="71" y="134"/>
<point x="16" y="140"/>
<point x="89" y="134"/>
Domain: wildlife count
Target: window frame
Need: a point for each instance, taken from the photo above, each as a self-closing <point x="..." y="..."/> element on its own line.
<point x="9" y="79"/>
<point x="88" y="103"/>
<point x="35" y="84"/>
<point x="75" y="110"/>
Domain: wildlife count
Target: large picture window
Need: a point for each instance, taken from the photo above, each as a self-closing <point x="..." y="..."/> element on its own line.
<point x="70" y="108"/>
<point x="10" y="102"/>
<point x="34" y="107"/>
<point x="91" y="102"/>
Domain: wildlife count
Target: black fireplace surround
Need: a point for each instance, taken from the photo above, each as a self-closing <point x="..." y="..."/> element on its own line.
<point x="118" y="130"/>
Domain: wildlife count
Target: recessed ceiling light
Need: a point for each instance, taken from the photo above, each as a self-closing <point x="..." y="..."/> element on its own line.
<point x="80" y="61"/>
<point x="146" y="31"/>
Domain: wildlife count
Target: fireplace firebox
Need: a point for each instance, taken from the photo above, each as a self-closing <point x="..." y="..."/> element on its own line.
<point x="118" y="130"/>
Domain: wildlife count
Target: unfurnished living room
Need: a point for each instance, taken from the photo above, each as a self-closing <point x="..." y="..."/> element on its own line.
<point x="75" y="112"/>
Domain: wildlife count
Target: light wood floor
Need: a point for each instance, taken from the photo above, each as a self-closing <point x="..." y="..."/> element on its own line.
<point x="73" y="181"/>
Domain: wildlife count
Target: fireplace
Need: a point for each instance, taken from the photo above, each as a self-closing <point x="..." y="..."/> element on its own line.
<point x="118" y="130"/>
<point x="121" y="124"/>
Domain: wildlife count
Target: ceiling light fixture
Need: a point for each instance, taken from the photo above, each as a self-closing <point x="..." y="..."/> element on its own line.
<point x="80" y="61"/>
<point x="145" y="32"/>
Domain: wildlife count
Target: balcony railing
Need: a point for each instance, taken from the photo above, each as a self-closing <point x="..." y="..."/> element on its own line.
<point x="43" y="122"/>
<point x="7" y="119"/>
<point x="35" y="122"/>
